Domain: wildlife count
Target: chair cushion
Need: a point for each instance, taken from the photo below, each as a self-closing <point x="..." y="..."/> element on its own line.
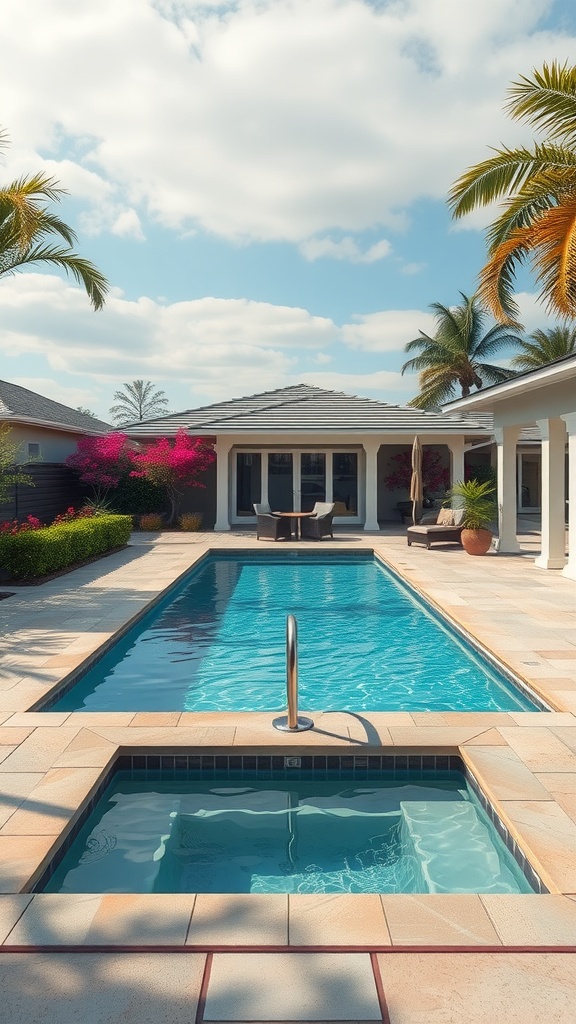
<point x="458" y="516"/>
<point x="445" y="517"/>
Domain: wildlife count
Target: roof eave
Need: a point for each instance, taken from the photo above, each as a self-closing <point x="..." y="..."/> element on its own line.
<point x="51" y="425"/>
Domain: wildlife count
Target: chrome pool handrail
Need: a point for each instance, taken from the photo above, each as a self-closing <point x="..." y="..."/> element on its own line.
<point x="291" y="722"/>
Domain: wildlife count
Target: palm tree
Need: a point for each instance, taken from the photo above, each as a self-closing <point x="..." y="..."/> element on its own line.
<point x="537" y="189"/>
<point x="455" y="356"/>
<point x="26" y="223"/>
<point x="544" y="346"/>
<point x="139" y="401"/>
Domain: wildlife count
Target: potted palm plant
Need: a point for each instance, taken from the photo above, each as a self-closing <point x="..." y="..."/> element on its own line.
<point x="478" y="500"/>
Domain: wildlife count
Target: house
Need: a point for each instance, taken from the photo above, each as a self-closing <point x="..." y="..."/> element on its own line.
<point x="46" y="433"/>
<point x="302" y="444"/>
<point x="545" y="397"/>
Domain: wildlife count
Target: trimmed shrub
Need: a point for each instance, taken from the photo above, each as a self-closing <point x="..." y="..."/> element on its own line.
<point x="41" y="552"/>
<point x="151" y="522"/>
<point x="136" y="496"/>
<point x="190" y="522"/>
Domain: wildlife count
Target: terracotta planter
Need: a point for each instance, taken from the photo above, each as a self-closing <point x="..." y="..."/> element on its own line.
<point x="476" y="542"/>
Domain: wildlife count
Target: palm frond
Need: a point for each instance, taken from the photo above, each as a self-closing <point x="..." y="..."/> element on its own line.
<point x="498" y="337"/>
<point x="547" y="101"/>
<point x="85" y="273"/>
<point x="493" y="374"/>
<point x="541" y="193"/>
<point x="554" y="246"/>
<point x="504" y="174"/>
<point x="497" y="277"/>
<point x="433" y="396"/>
<point x="544" y="346"/>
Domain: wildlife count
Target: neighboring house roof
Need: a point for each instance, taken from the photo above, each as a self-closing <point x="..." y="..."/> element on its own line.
<point x="304" y="409"/>
<point x="19" y="405"/>
<point x="529" y="434"/>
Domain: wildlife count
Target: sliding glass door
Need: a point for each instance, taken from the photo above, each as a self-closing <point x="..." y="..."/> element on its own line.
<point x="295" y="480"/>
<point x="312" y="479"/>
<point x="281" y="481"/>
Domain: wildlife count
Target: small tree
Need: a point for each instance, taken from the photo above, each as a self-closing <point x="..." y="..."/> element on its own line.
<point x="8" y="475"/>
<point x="140" y="400"/>
<point x="174" y="465"/>
<point x="435" y="476"/>
<point x="102" y="462"/>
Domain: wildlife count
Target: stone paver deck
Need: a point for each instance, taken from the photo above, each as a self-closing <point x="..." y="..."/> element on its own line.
<point x="51" y="763"/>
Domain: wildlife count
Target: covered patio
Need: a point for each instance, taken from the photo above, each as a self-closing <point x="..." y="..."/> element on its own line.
<point x="302" y="444"/>
<point x="546" y="397"/>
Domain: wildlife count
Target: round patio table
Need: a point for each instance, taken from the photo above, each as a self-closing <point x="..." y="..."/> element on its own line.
<point x="297" y="517"/>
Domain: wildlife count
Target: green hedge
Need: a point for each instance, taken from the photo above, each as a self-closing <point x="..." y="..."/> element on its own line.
<point x="41" y="552"/>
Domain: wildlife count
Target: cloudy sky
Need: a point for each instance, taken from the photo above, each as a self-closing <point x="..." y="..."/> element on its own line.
<point x="262" y="181"/>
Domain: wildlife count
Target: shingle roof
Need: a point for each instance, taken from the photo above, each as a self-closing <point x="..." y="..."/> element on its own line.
<point x="20" y="403"/>
<point x="303" y="408"/>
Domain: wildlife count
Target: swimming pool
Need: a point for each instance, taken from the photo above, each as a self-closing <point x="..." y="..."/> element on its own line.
<point x="366" y="643"/>
<point x="180" y="833"/>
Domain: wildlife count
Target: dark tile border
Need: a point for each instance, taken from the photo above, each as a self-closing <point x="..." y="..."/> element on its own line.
<point x="522" y="861"/>
<point x="282" y="767"/>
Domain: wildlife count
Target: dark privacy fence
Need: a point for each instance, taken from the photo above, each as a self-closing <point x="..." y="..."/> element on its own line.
<point x="55" y="488"/>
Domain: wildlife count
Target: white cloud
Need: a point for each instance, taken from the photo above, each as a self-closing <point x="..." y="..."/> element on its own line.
<point x="413" y="268"/>
<point x="276" y="119"/>
<point x="344" y="249"/>
<point x="370" y="384"/>
<point x="533" y="312"/>
<point x="215" y="348"/>
<point x="386" y="331"/>
<point x="222" y="347"/>
<point x="127" y="225"/>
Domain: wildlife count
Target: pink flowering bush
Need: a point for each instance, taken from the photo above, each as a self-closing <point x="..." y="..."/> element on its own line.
<point x="435" y="476"/>
<point x="71" y="514"/>
<point x="102" y="462"/>
<point x="13" y="526"/>
<point x="174" y="465"/>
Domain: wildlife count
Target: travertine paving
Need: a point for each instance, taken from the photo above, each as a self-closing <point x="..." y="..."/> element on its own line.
<point x="50" y="764"/>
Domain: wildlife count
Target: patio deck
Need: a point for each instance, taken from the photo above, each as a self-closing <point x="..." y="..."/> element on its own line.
<point x="449" y="959"/>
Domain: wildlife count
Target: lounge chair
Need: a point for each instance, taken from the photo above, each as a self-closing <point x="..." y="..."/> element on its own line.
<point x="270" y="527"/>
<point x="440" y="527"/>
<point x="319" y="524"/>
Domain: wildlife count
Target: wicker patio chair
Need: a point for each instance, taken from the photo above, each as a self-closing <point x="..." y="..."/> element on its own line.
<point x="262" y="509"/>
<point x="320" y="524"/>
<point x="272" y="528"/>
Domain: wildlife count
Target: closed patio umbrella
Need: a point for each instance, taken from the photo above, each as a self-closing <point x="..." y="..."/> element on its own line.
<point x="416" y="489"/>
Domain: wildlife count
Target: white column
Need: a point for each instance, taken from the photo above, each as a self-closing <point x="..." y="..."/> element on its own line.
<point x="553" y="548"/>
<point x="506" y="438"/>
<point x="456" y="447"/>
<point x="570" y="568"/>
<point x="223" y="447"/>
<point x="371" y="518"/>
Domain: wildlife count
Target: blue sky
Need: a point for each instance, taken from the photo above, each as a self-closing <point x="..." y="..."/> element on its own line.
<point x="262" y="181"/>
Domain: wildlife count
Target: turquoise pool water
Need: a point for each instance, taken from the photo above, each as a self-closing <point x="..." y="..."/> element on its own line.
<point x="306" y="835"/>
<point x="365" y="644"/>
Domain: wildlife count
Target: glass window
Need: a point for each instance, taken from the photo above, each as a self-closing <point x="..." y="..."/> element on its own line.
<point x="312" y="479"/>
<point x="530" y="496"/>
<point x="280" y="486"/>
<point x="248" y="482"/>
<point x="345" y="483"/>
